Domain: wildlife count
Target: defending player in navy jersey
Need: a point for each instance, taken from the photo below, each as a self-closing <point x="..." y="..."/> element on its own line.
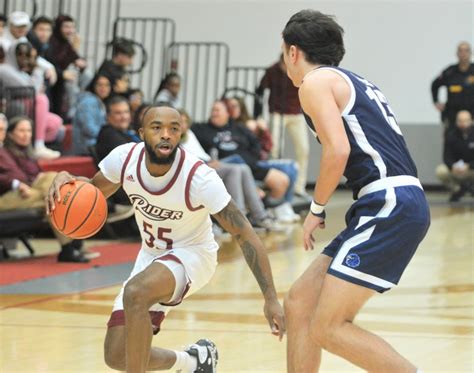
<point x="361" y="140"/>
<point x="173" y="194"/>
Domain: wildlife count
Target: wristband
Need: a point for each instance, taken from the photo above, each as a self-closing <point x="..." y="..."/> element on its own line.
<point x="317" y="209"/>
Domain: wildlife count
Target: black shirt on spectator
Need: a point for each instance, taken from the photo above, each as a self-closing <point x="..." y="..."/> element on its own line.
<point x="459" y="145"/>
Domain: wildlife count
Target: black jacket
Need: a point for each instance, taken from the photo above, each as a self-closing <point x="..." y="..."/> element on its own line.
<point x="460" y="86"/>
<point x="458" y="146"/>
<point x="109" y="138"/>
<point x="230" y="140"/>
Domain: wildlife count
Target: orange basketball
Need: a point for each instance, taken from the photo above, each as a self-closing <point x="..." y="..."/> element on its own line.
<point x="81" y="212"/>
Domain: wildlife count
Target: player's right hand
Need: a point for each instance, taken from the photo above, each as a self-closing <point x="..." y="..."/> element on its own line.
<point x="310" y="224"/>
<point x="53" y="192"/>
<point x="274" y="314"/>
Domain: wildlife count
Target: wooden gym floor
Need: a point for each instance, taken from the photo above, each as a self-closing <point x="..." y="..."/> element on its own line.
<point x="428" y="318"/>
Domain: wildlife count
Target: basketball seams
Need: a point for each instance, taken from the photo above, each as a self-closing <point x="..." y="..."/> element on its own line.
<point x="91" y="209"/>
<point x="69" y="206"/>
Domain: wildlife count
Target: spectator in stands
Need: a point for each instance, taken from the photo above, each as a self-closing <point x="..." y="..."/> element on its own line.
<point x="24" y="186"/>
<point x="40" y="34"/>
<point x="138" y="116"/>
<point x="135" y="100"/>
<point x="236" y="144"/>
<point x="168" y="91"/>
<point x="90" y="115"/>
<point x="285" y="111"/>
<point x="239" y="115"/>
<point x="117" y="130"/>
<point x="237" y="178"/>
<point x="3" y="22"/>
<point x="121" y="84"/>
<point x="459" y="81"/>
<point x="122" y="57"/>
<point x="115" y="133"/>
<point x="457" y="171"/>
<point x="19" y="23"/>
<point x="73" y="75"/>
<point x="20" y="71"/>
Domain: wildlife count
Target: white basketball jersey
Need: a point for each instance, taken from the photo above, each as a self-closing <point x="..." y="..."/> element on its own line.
<point x="171" y="211"/>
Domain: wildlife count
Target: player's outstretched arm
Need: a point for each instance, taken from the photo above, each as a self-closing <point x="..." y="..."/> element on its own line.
<point x="234" y="222"/>
<point x="99" y="180"/>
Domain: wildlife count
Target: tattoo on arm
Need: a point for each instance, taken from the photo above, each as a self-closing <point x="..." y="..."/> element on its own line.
<point x="234" y="222"/>
<point x="251" y="256"/>
<point x="231" y="218"/>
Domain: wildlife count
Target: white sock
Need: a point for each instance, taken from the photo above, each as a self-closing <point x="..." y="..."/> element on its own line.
<point x="184" y="362"/>
<point x="39" y="144"/>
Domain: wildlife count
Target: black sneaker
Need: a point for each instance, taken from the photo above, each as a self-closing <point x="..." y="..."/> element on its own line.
<point x="205" y="352"/>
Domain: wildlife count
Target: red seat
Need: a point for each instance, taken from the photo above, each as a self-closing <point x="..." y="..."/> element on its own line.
<point x="75" y="165"/>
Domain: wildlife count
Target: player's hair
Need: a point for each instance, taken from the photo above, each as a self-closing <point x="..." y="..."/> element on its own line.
<point x="154" y="106"/>
<point x="114" y="100"/>
<point x="318" y="35"/>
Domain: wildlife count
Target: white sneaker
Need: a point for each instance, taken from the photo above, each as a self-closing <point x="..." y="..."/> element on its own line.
<point x="284" y="213"/>
<point x="43" y="152"/>
<point x="220" y="234"/>
<point x="121" y="212"/>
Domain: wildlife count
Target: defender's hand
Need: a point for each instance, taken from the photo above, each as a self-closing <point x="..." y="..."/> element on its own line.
<point x="274" y="314"/>
<point x="310" y="224"/>
<point x="53" y="192"/>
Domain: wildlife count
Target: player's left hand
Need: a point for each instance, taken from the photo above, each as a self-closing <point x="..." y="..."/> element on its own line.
<point x="310" y="224"/>
<point x="274" y="314"/>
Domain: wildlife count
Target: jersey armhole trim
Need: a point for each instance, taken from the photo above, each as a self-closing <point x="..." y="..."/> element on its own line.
<point x="187" y="194"/>
<point x="351" y="102"/>
<point x="125" y="164"/>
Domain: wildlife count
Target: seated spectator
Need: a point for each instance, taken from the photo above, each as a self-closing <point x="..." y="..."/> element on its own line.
<point x="117" y="130"/>
<point x="135" y="100"/>
<point x="40" y="34"/>
<point x="122" y="57"/>
<point x="90" y="115"/>
<point x="138" y="116"/>
<point x="19" y="23"/>
<point x="234" y="144"/>
<point x="20" y="71"/>
<point x="24" y="186"/>
<point x="457" y="171"/>
<point x="121" y="85"/>
<point x="237" y="178"/>
<point x="168" y="91"/>
<point x="239" y="115"/>
<point x="73" y="75"/>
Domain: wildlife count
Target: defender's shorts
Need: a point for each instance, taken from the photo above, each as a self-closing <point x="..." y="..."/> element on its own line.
<point x="384" y="228"/>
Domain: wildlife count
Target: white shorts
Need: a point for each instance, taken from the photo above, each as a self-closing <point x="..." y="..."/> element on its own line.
<point x="192" y="269"/>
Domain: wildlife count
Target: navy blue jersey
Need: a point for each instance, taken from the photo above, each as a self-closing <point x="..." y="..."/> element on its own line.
<point x="378" y="149"/>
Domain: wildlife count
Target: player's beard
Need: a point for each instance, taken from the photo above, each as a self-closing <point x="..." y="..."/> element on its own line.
<point x="157" y="160"/>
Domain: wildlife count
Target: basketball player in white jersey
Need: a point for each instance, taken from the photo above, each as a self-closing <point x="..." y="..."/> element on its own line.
<point x="173" y="193"/>
<point x="361" y="140"/>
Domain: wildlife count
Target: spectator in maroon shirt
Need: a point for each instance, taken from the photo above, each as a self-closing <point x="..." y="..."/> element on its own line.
<point x="24" y="186"/>
<point x="73" y="77"/>
<point x="285" y="111"/>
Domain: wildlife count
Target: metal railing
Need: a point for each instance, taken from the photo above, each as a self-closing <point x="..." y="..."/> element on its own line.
<point x="16" y="101"/>
<point x="93" y="18"/>
<point x="203" y="68"/>
<point x="152" y="35"/>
